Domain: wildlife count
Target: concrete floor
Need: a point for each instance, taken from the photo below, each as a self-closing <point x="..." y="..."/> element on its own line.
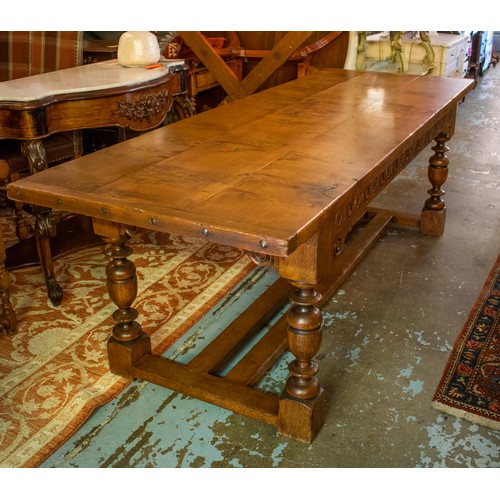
<point x="388" y="334"/>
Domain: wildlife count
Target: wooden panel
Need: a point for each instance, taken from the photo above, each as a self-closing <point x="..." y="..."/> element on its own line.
<point x="346" y="261"/>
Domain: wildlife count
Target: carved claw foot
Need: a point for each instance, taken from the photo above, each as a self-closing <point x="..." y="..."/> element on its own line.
<point x="54" y="291"/>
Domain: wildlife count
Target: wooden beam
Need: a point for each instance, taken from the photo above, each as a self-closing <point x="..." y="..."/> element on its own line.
<point x="216" y="355"/>
<point x="235" y="88"/>
<point x="400" y="218"/>
<point x="262" y="356"/>
<point x="235" y="397"/>
<point x="212" y="61"/>
<point x="272" y="61"/>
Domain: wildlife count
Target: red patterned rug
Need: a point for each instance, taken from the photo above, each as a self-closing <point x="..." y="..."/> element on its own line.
<point x="54" y="370"/>
<point x="470" y="386"/>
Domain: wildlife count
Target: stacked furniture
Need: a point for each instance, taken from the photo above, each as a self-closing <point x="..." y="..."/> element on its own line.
<point x="439" y="54"/>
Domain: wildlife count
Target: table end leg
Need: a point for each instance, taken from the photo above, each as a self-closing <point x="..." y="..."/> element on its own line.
<point x="432" y="222"/>
<point x="434" y="212"/>
<point x="122" y="356"/>
<point x="302" y="403"/>
<point x="301" y="419"/>
<point x="128" y="342"/>
<point x="8" y="317"/>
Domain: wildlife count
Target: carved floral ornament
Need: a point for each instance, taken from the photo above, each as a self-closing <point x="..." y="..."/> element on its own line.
<point x="144" y="107"/>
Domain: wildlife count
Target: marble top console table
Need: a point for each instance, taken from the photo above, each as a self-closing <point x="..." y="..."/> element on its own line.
<point x="90" y="96"/>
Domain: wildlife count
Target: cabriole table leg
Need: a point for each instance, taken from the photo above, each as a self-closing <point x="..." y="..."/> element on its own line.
<point x="44" y="230"/>
<point x="44" y="226"/>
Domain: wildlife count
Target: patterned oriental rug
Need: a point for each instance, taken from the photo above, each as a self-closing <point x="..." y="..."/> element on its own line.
<point x="470" y="386"/>
<point x="54" y="370"/>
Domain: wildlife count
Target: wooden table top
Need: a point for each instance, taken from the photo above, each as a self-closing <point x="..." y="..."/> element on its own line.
<point x="270" y="168"/>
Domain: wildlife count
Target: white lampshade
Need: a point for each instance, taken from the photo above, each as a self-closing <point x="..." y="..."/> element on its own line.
<point x="138" y="48"/>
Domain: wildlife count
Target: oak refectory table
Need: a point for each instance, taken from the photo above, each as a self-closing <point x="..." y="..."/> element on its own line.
<point x="284" y="174"/>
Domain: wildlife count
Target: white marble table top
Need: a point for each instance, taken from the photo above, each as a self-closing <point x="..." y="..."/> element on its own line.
<point x="86" y="78"/>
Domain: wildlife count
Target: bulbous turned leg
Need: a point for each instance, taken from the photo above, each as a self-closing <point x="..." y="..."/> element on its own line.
<point x="302" y="403"/>
<point x="128" y="343"/>
<point x="434" y="212"/>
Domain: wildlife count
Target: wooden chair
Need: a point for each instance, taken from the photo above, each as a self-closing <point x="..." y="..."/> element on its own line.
<point x="27" y="53"/>
<point x="8" y="318"/>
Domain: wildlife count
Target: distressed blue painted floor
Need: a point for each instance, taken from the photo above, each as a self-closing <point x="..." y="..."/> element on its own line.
<point x="388" y="334"/>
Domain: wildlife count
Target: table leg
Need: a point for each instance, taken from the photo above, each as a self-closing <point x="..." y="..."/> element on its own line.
<point x="44" y="227"/>
<point x="24" y="229"/>
<point x="8" y="318"/>
<point x="128" y="342"/>
<point x="434" y="212"/>
<point x="302" y="403"/>
<point x="35" y="153"/>
<point x="44" y="230"/>
<point x="298" y="413"/>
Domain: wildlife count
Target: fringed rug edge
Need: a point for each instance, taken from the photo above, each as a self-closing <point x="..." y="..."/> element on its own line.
<point x="474" y="418"/>
<point x="467" y="414"/>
